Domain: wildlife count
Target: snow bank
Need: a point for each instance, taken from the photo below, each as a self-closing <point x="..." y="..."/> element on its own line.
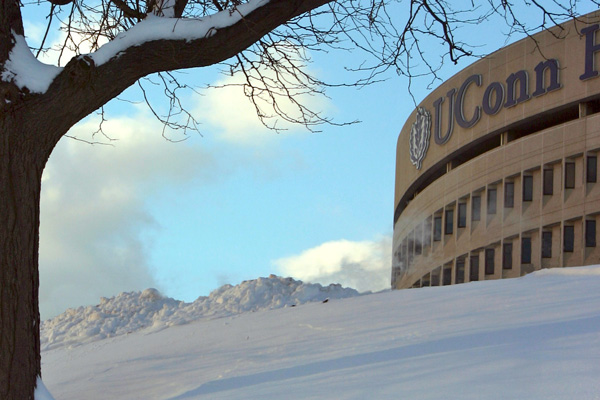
<point x="133" y="311"/>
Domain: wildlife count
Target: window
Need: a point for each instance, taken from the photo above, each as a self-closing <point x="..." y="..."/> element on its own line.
<point x="462" y="215"/>
<point x="419" y="239"/>
<point x="509" y="194"/>
<point x="476" y="208"/>
<point x="449" y="227"/>
<point x="526" y="250"/>
<point x="527" y="187"/>
<point x="507" y="255"/>
<point x="547" y="244"/>
<point x="427" y="238"/>
<point x="405" y="252"/>
<point x="491" y="201"/>
<point x="489" y="261"/>
<point x="447" y="275"/>
<point x="437" y="229"/>
<point x="569" y="238"/>
<point x="590" y="233"/>
<point x="569" y="175"/>
<point x="460" y="271"/>
<point x="474" y="268"/>
<point x="591" y="169"/>
<point x="548" y="181"/>
<point x="435" y="276"/>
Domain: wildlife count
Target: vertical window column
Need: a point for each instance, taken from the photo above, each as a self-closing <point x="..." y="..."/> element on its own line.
<point x="449" y="222"/>
<point x="435" y="276"/>
<point x="507" y="250"/>
<point x="547" y="244"/>
<point x="490" y="256"/>
<point x="447" y="275"/>
<point x="476" y="208"/>
<point x="568" y="238"/>
<point x="569" y="175"/>
<point x="509" y="194"/>
<point x="548" y="181"/>
<point x="590" y="233"/>
<point x="419" y="239"/>
<point x="491" y="200"/>
<point x="461" y="221"/>
<point x="460" y="270"/>
<point x="474" y="267"/>
<point x="527" y="187"/>
<point x="437" y="228"/>
<point x="591" y="168"/>
<point x="526" y="250"/>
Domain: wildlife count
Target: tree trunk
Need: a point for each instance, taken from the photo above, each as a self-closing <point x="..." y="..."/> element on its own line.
<point x="21" y="165"/>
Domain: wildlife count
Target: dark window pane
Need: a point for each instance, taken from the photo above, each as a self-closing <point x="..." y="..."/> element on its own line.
<point x="437" y="229"/>
<point x="590" y="233"/>
<point x="435" y="276"/>
<point x="462" y="215"/>
<point x="474" y="268"/>
<point x="427" y="238"/>
<point x="569" y="175"/>
<point x="509" y="194"/>
<point x="548" y="181"/>
<point x="419" y="239"/>
<point x="547" y="244"/>
<point x="592" y="169"/>
<point x="405" y="253"/>
<point x="507" y="256"/>
<point x="460" y="271"/>
<point x="447" y="275"/>
<point x="489" y="261"/>
<point x="491" y="201"/>
<point x="449" y="227"/>
<point x="527" y="188"/>
<point x="526" y="250"/>
<point x="569" y="239"/>
<point x="476" y="208"/>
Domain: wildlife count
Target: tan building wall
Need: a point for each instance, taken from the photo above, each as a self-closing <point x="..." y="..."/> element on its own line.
<point x="512" y="177"/>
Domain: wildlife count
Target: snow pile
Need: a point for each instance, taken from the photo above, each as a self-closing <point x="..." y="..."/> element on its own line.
<point x="133" y="311"/>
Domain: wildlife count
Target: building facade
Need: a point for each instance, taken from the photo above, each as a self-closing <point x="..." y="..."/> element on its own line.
<point x="497" y="169"/>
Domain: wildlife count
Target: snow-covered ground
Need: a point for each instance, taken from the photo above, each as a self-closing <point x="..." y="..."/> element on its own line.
<point x="536" y="337"/>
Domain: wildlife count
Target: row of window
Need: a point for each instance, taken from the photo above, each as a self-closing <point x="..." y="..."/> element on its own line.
<point x="509" y="196"/>
<point x="414" y="247"/>
<point x="443" y="275"/>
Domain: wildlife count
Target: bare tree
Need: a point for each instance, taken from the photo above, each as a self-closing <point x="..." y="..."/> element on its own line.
<point x="268" y="42"/>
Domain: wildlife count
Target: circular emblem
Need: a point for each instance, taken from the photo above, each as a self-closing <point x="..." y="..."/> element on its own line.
<point x="420" y="133"/>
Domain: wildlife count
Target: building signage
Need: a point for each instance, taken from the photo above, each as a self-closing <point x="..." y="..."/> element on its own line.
<point x="497" y="96"/>
<point x="420" y="132"/>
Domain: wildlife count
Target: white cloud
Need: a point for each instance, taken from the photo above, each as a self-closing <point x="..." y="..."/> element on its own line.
<point x="94" y="225"/>
<point x="227" y="109"/>
<point x="364" y="265"/>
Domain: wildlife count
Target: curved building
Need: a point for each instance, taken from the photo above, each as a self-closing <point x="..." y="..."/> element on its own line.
<point x="497" y="169"/>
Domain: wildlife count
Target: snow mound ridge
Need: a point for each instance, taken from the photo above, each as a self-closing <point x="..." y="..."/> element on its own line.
<point x="134" y="311"/>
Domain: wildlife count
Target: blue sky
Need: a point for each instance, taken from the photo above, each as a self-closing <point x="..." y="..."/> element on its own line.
<point x="234" y="203"/>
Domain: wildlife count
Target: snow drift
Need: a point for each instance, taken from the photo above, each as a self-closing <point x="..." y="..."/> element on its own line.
<point x="133" y="311"/>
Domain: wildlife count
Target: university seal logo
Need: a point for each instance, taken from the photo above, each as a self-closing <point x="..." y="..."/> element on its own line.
<point x="420" y="133"/>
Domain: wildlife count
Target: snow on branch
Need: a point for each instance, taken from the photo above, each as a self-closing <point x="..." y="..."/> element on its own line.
<point x="155" y="28"/>
<point x="26" y="71"/>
